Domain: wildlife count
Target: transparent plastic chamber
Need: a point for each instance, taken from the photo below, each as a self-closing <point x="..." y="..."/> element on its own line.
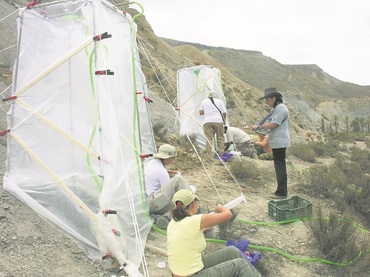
<point x="78" y="125"/>
<point x="194" y="85"/>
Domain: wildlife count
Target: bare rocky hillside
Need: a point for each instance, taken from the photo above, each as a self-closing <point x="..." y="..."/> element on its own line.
<point x="30" y="246"/>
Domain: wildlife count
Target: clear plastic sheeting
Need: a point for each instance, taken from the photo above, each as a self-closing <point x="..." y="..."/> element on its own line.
<point x="79" y="125"/>
<point x="194" y="85"/>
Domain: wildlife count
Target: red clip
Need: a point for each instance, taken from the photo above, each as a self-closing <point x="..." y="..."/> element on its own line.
<point x="116" y="232"/>
<point x="32" y="3"/>
<point x="143" y="156"/>
<point x="10" y="98"/>
<point x="107" y="212"/>
<point x="139" y="92"/>
<point x="147" y="99"/>
<point x="106" y="256"/>
<point x="104" y="72"/>
<point x="102" y="36"/>
<point x="5" y="132"/>
<point x="177" y="109"/>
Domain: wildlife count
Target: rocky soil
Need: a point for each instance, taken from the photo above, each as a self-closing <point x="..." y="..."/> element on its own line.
<point x="30" y="246"/>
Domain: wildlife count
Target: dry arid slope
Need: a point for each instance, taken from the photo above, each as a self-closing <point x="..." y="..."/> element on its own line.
<point x="29" y="246"/>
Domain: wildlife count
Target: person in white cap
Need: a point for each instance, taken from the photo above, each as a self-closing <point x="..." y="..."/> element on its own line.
<point x="214" y="112"/>
<point x="160" y="188"/>
<point x="186" y="242"/>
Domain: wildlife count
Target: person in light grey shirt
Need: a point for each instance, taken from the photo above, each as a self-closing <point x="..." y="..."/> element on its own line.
<point x="277" y="122"/>
<point x="240" y="140"/>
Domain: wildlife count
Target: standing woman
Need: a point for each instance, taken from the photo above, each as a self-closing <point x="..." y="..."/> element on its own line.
<point x="277" y="122"/>
<point x="214" y="111"/>
<point x="186" y="242"/>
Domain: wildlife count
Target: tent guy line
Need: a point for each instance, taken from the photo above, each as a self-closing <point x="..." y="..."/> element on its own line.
<point x="177" y="110"/>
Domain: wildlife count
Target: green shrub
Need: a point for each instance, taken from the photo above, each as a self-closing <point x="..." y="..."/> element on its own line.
<point x="241" y="169"/>
<point x="351" y="170"/>
<point x="367" y="142"/>
<point x="356" y="191"/>
<point x="322" y="180"/>
<point x="336" y="237"/>
<point x="363" y="265"/>
<point x="303" y="152"/>
<point x="357" y="195"/>
<point x="159" y="130"/>
<point x="188" y="142"/>
<point x="361" y="157"/>
<point x="348" y="136"/>
<point x="327" y="149"/>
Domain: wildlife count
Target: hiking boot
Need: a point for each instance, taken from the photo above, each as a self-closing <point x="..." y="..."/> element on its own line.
<point x="161" y="221"/>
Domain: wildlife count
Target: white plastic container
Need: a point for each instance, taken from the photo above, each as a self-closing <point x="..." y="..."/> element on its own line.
<point x="236" y="202"/>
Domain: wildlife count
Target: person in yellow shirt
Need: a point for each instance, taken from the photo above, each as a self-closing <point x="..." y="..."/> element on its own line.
<point x="186" y="242"/>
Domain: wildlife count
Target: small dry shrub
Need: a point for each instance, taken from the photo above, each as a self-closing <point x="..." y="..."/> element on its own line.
<point x="349" y="136"/>
<point x="367" y="142"/>
<point x="357" y="196"/>
<point x="351" y="170"/>
<point x="241" y="169"/>
<point x="322" y="180"/>
<point x="336" y="236"/>
<point x="356" y="190"/>
<point x="188" y="141"/>
<point x="361" y="157"/>
<point x="327" y="149"/>
<point x="303" y="152"/>
<point x="362" y="266"/>
<point x="231" y="104"/>
<point x="159" y="130"/>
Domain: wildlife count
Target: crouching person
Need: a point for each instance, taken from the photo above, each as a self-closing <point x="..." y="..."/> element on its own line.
<point x="160" y="188"/>
<point x="186" y="242"/>
<point x="241" y="142"/>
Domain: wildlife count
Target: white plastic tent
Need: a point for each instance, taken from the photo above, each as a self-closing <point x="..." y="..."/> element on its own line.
<point x="78" y="126"/>
<point x="194" y="85"/>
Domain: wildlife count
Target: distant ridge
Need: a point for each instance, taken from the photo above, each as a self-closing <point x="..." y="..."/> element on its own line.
<point x="261" y="71"/>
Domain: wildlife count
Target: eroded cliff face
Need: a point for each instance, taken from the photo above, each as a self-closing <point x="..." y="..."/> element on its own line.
<point x="351" y="107"/>
<point x="345" y="110"/>
<point x="311" y="94"/>
<point x="330" y="111"/>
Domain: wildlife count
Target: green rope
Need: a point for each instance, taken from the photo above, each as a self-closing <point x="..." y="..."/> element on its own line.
<point x="277" y="251"/>
<point x="140" y="13"/>
<point x="136" y="119"/>
<point x="294" y="220"/>
<point x="97" y="181"/>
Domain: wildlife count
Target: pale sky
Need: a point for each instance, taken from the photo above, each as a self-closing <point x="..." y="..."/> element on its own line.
<point x="333" y="34"/>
